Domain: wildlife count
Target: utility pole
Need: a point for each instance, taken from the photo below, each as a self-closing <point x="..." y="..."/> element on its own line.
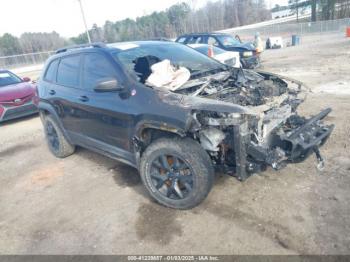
<point x="84" y="20"/>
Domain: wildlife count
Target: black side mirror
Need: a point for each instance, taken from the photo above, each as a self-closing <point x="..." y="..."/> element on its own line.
<point x="107" y="85"/>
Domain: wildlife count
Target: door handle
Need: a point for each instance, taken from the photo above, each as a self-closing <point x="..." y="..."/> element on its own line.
<point x="52" y="92"/>
<point x="83" y="98"/>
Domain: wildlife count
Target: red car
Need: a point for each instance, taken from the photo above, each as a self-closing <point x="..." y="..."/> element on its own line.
<point x="17" y="96"/>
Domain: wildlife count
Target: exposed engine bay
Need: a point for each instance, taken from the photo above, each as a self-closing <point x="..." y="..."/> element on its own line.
<point x="269" y="132"/>
<point x="242" y="87"/>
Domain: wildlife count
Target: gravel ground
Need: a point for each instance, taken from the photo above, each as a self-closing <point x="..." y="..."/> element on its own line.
<point x="90" y="204"/>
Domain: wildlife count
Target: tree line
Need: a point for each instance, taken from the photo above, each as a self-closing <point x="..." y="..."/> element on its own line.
<point x="320" y="9"/>
<point x="30" y="43"/>
<point x="177" y="19"/>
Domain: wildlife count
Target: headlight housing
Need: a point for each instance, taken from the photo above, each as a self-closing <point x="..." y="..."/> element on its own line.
<point x="209" y="118"/>
<point x="247" y="53"/>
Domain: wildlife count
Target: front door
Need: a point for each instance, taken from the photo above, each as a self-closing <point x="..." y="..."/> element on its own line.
<point x="102" y="115"/>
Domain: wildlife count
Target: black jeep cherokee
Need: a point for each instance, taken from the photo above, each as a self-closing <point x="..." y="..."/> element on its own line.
<point x="237" y="121"/>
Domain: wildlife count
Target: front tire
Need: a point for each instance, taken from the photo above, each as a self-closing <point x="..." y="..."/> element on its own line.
<point x="58" y="144"/>
<point x="178" y="173"/>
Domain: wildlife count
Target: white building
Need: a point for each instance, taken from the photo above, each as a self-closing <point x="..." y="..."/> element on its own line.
<point x="289" y="12"/>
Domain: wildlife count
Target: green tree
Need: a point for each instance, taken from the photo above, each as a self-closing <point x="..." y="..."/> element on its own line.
<point x="181" y="18"/>
<point x="109" y="32"/>
<point x="327" y="9"/>
<point x="177" y="15"/>
<point x="298" y="5"/>
<point x="96" y="34"/>
<point x="9" y="45"/>
<point x="313" y="10"/>
<point x="80" y="39"/>
<point x="37" y="42"/>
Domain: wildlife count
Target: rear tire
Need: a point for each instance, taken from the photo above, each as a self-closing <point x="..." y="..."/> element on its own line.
<point x="178" y="173"/>
<point x="58" y="144"/>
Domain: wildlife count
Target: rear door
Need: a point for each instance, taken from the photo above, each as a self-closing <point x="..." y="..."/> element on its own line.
<point x="67" y="92"/>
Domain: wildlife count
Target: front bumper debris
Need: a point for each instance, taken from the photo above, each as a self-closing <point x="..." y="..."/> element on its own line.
<point x="285" y="147"/>
<point x="250" y="62"/>
<point x="312" y="134"/>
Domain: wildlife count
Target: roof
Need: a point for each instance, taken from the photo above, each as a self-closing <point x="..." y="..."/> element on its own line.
<point x="129" y="45"/>
<point x="119" y="45"/>
<point x="195" y="34"/>
<point x="90" y="45"/>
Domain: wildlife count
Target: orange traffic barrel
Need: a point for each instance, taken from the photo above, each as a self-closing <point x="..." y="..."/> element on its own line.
<point x="348" y="31"/>
<point x="210" y="51"/>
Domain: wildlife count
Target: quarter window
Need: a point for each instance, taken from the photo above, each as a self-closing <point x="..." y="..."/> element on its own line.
<point x="51" y="71"/>
<point x="68" y="71"/>
<point x="195" y="40"/>
<point x="181" y="40"/>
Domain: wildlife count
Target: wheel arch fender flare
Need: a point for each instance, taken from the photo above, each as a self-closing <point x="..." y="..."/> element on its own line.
<point x="47" y="109"/>
<point x="142" y="126"/>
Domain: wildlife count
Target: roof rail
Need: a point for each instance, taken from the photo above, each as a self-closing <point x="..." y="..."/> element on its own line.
<point x="97" y="44"/>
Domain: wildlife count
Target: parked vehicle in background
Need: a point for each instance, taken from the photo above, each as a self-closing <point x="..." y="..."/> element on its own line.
<point x="249" y="57"/>
<point x="274" y="42"/>
<point x="205" y="115"/>
<point x="17" y="96"/>
<point x="160" y="39"/>
<point x="226" y="57"/>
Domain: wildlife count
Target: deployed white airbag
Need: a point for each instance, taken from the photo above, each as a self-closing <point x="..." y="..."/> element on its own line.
<point x="164" y="75"/>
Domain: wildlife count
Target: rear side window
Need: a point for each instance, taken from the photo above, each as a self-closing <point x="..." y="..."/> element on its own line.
<point x="181" y="39"/>
<point x="50" y="74"/>
<point x="96" y="68"/>
<point x="212" y="41"/>
<point x="68" y="71"/>
<point x="195" y="40"/>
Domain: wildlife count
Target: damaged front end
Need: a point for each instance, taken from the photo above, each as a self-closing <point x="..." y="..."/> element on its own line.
<point x="265" y="131"/>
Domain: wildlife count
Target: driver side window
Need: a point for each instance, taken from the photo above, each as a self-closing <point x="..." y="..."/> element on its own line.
<point x="96" y="67"/>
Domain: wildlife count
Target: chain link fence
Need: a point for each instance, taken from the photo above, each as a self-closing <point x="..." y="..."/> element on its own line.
<point x="288" y="29"/>
<point x="281" y="29"/>
<point x="24" y="60"/>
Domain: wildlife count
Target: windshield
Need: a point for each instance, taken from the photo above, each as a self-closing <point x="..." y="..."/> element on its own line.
<point x="7" y="78"/>
<point x="138" y="60"/>
<point x="204" y="50"/>
<point x="228" y="41"/>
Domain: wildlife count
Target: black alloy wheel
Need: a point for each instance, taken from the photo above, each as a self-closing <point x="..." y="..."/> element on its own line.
<point x="171" y="176"/>
<point x="52" y="137"/>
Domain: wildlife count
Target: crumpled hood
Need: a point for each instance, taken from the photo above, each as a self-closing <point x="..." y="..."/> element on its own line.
<point x="206" y="104"/>
<point x="201" y="103"/>
<point x="248" y="46"/>
<point x="12" y="92"/>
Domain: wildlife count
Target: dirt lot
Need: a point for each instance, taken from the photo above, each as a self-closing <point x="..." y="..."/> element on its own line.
<point x="89" y="204"/>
